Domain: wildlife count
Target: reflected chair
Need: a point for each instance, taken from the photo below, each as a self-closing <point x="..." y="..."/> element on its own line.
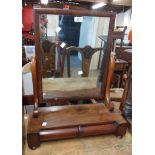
<point x="86" y="56"/>
<point x="51" y="59"/>
<point x="48" y="58"/>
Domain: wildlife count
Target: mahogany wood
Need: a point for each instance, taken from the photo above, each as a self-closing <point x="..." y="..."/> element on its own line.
<point x="109" y="79"/>
<point x="27" y="99"/>
<point x="124" y="53"/>
<point x="38" y="11"/>
<point x="73" y="121"/>
<point x="34" y="80"/>
<point x="122" y="64"/>
<point x="48" y="54"/>
<point x="126" y="102"/>
<point x="121" y="68"/>
<point x="86" y="53"/>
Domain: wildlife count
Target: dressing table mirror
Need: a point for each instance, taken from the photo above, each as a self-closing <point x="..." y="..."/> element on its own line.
<point x="68" y="67"/>
<point x="71" y="64"/>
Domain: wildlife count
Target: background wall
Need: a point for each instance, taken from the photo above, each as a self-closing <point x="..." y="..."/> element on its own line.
<point x="88" y="31"/>
<point x="91" y="28"/>
<point x="52" y="25"/>
<point x="124" y="18"/>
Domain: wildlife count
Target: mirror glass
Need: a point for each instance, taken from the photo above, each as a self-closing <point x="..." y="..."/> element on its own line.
<point x="72" y="49"/>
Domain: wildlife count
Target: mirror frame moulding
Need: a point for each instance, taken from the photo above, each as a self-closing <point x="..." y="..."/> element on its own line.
<point x="38" y="10"/>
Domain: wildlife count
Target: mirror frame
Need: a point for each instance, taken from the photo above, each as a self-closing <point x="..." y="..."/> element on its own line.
<point x="38" y="10"/>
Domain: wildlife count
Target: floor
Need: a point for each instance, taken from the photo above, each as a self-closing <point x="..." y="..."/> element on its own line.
<point x="97" y="145"/>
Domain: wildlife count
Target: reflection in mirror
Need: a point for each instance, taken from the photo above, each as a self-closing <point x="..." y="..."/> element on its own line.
<point x="72" y="50"/>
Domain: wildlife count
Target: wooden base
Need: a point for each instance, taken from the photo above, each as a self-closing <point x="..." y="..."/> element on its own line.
<point x="61" y="122"/>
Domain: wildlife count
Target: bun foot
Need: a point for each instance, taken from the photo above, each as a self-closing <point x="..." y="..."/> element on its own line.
<point x="33" y="140"/>
<point x="121" y="130"/>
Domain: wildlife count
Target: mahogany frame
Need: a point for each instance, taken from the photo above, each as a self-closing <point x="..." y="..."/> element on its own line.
<point x="82" y="12"/>
<point x="91" y="119"/>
